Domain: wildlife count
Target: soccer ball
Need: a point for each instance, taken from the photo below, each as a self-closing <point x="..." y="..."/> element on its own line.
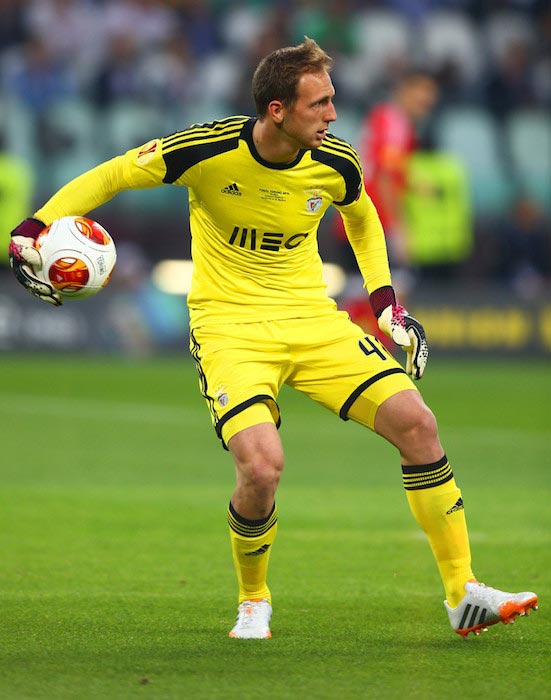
<point x="78" y="256"/>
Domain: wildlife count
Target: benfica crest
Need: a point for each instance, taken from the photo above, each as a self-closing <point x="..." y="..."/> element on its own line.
<point x="313" y="204"/>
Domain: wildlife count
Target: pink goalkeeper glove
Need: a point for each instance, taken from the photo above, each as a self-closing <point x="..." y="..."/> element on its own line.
<point x="25" y="259"/>
<point x="402" y="328"/>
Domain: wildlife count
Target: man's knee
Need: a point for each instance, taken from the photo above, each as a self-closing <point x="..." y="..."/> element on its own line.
<point x="261" y="469"/>
<point x="258" y="456"/>
<point x="262" y="476"/>
<point x="422" y="420"/>
<point x="404" y="419"/>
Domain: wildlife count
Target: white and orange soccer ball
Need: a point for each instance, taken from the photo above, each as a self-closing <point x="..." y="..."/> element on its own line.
<point x="78" y="256"/>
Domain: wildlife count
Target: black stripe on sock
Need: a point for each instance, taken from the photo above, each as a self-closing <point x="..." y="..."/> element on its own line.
<point x="251" y="528"/>
<point x="422" y="468"/>
<point x="425" y="476"/>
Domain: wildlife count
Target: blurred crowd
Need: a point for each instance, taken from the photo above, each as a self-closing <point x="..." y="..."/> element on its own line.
<point x="173" y="53"/>
<point x="82" y="80"/>
<point x="490" y="52"/>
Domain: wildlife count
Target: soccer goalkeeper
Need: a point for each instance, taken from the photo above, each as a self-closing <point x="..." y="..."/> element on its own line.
<point x="261" y="318"/>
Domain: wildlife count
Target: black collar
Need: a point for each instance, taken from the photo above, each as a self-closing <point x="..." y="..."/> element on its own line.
<point x="247" y="135"/>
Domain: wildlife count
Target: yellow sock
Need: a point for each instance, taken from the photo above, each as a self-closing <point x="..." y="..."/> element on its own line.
<point x="436" y="504"/>
<point x="251" y="543"/>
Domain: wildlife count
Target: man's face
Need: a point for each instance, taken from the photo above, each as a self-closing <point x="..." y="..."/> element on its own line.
<point x="307" y="121"/>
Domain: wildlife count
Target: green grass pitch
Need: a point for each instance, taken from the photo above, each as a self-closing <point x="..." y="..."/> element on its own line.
<point x="115" y="573"/>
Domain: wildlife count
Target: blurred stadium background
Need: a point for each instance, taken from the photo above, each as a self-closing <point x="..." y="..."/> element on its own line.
<point x="84" y="80"/>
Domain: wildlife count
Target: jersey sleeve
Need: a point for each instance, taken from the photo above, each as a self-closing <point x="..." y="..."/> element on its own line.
<point x="139" y="168"/>
<point x="366" y="236"/>
<point x="361" y="221"/>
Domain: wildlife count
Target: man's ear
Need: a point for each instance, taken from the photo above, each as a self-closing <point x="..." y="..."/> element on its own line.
<point x="276" y="110"/>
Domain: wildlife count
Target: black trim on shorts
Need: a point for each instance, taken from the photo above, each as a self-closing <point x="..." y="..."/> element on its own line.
<point x="343" y="413"/>
<point x="195" y="352"/>
<point x="259" y="398"/>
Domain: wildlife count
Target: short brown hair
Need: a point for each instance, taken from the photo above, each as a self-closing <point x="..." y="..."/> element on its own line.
<point x="278" y="73"/>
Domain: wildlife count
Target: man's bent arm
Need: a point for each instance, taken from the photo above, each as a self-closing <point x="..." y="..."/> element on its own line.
<point x="365" y="233"/>
<point x="100" y="184"/>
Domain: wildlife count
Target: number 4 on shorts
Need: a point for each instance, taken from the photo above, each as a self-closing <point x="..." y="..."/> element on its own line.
<point x="373" y="344"/>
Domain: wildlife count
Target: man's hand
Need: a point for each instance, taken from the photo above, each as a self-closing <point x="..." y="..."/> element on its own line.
<point x="25" y="260"/>
<point x="409" y="334"/>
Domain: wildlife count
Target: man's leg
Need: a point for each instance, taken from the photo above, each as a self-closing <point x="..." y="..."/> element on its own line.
<point x="352" y="374"/>
<point x="433" y="496"/>
<point x="252" y="518"/>
<point x="241" y="368"/>
<point x="436" y="503"/>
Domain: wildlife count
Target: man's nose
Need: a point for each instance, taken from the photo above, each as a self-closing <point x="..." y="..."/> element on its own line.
<point x="331" y="114"/>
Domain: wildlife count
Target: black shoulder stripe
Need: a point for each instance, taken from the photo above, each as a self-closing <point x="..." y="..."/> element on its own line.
<point x="221" y="123"/>
<point x="181" y="159"/>
<point x="187" y="137"/>
<point x="215" y="128"/>
<point x="345" y="167"/>
<point x="199" y="142"/>
<point x="336" y="144"/>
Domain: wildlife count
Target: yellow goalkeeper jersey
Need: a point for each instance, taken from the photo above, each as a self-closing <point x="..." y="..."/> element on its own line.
<point x="253" y="223"/>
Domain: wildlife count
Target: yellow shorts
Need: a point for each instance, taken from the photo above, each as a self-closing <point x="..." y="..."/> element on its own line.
<point x="242" y="367"/>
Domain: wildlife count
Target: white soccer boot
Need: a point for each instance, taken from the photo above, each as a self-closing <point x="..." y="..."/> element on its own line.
<point x="253" y="620"/>
<point x="483" y="606"/>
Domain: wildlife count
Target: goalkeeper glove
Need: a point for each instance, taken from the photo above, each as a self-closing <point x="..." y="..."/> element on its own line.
<point x="402" y="328"/>
<point x="25" y="260"/>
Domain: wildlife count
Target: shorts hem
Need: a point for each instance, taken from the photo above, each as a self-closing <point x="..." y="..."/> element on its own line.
<point x="343" y="413"/>
<point x="259" y="398"/>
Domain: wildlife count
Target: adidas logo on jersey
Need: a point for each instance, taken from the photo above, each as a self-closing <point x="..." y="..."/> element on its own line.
<point x="231" y="189"/>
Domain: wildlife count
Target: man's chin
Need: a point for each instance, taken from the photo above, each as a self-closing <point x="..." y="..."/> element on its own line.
<point x="317" y="140"/>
